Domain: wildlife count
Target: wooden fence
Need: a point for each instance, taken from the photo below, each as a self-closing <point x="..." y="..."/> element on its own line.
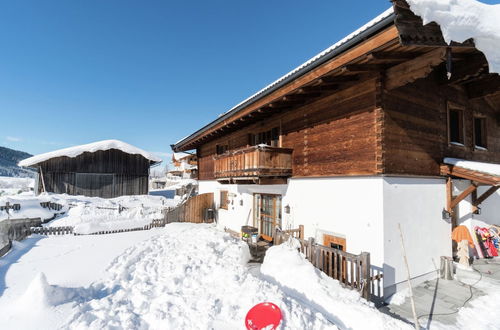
<point x="351" y="270"/>
<point x="194" y="210"/>
<point x="66" y="230"/>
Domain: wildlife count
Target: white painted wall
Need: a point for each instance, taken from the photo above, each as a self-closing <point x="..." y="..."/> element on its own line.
<point x="240" y="209"/>
<point x="416" y="204"/>
<point x="363" y="210"/>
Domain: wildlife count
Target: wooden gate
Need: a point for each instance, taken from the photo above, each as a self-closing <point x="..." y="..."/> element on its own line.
<point x="193" y="210"/>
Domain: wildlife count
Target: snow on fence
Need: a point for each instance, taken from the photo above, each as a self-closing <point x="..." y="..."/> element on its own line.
<point x="351" y="270"/>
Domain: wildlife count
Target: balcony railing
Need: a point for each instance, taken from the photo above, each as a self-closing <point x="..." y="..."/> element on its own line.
<point x="254" y="163"/>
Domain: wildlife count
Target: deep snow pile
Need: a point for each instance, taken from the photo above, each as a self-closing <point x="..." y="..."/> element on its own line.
<point x="301" y="280"/>
<point x="464" y="19"/>
<point x="93" y="214"/>
<point x="195" y="277"/>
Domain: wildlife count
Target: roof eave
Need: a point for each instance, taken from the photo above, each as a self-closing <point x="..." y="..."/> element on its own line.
<point x="377" y="27"/>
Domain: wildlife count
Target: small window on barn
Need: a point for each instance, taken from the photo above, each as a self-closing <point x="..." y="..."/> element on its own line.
<point x="480" y="133"/>
<point x="224" y="200"/>
<point x="456" y="126"/>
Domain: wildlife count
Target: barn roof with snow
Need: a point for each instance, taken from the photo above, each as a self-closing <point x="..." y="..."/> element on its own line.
<point x="91" y="147"/>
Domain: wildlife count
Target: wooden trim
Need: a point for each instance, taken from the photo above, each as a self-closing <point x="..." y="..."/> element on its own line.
<point x="464" y="173"/>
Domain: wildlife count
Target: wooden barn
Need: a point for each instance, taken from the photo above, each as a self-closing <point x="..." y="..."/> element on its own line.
<point x="369" y="134"/>
<point x="107" y="169"/>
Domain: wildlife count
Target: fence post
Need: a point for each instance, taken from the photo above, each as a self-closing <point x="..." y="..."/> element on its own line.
<point x="301" y="231"/>
<point x="310" y="251"/>
<point x="366" y="278"/>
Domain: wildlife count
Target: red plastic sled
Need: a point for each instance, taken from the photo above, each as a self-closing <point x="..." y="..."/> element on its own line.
<point x="264" y="315"/>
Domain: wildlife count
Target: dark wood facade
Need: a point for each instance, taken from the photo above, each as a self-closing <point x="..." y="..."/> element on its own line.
<point x="379" y="108"/>
<point x="106" y="174"/>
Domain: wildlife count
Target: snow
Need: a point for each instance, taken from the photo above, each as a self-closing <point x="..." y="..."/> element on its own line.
<point x="183" y="276"/>
<point x="90" y="214"/>
<point x="41" y="278"/>
<point x="289" y="269"/>
<point x="180" y="155"/>
<point x="14" y="185"/>
<point x="464" y="19"/>
<point x="91" y="147"/>
<point x="489" y="168"/>
<point x="479" y="311"/>
<point x="30" y="207"/>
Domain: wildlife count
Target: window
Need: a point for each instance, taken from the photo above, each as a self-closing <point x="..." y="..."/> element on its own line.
<point x="271" y="138"/>
<point x="220" y="148"/>
<point x="456" y="126"/>
<point x="224" y="200"/>
<point x="480" y="133"/>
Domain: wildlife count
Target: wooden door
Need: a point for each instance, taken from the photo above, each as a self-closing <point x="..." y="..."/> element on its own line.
<point x="338" y="243"/>
<point x="267" y="214"/>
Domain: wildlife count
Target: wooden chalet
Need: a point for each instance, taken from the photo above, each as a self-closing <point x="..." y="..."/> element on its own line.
<point x="352" y="143"/>
<point x="105" y="169"/>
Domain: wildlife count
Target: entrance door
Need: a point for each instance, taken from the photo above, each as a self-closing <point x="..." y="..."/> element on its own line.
<point x="267" y="214"/>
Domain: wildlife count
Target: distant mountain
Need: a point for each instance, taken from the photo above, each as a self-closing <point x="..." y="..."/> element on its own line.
<point x="8" y="163"/>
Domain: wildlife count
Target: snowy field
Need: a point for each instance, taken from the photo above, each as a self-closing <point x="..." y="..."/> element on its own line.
<point x="183" y="276"/>
<point x="15" y="186"/>
<point x="90" y="214"/>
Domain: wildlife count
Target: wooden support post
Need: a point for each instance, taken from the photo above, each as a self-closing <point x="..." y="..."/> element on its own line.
<point x="301" y="234"/>
<point x="366" y="276"/>
<point x="463" y="195"/>
<point x="474" y="201"/>
<point x="449" y="195"/>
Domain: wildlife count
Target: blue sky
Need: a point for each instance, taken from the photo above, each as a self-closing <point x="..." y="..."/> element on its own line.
<point x="149" y="72"/>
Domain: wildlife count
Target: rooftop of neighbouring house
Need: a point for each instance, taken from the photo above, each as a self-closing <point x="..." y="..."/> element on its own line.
<point x="91" y="147"/>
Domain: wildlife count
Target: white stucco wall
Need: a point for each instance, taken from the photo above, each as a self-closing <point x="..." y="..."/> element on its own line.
<point x="241" y="198"/>
<point x="416" y="204"/>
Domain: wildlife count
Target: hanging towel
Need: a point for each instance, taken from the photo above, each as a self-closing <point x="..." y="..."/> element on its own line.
<point x="461" y="233"/>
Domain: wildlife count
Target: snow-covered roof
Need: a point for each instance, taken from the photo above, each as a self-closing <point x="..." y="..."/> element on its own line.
<point x="91" y="147"/>
<point x="462" y="20"/>
<point x="488" y="168"/>
<point x="180" y="155"/>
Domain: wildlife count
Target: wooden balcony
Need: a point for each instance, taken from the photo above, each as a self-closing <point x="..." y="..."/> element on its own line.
<point x="258" y="164"/>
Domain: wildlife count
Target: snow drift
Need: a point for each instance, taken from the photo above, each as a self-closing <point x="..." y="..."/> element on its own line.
<point x="464" y="19"/>
<point x="195" y="277"/>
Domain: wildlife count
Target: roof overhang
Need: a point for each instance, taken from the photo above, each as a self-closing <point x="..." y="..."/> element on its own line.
<point x="468" y="174"/>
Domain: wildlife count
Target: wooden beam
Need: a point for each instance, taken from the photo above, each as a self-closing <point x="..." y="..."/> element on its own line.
<point x="483" y="87"/>
<point x="409" y="71"/>
<point x="393" y="56"/>
<point x="321" y="88"/>
<point x="300" y="97"/>
<point x="485" y="195"/>
<point x="449" y="194"/>
<point x="362" y="68"/>
<point x="463" y="195"/>
<point x="337" y="79"/>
